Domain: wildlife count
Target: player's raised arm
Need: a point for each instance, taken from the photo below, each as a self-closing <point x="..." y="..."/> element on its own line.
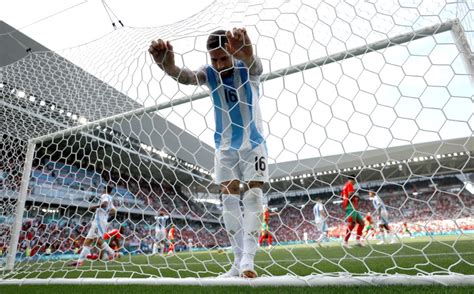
<point x="94" y="207"/>
<point x="163" y="54"/>
<point x="240" y="46"/>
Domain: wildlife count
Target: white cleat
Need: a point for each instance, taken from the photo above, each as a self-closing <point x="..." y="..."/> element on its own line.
<point x="360" y="243"/>
<point x="233" y="272"/>
<point x="381" y="242"/>
<point x="346" y="245"/>
<point x="393" y="241"/>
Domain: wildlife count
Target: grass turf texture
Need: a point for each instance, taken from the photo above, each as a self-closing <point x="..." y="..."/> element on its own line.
<point x="439" y="254"/>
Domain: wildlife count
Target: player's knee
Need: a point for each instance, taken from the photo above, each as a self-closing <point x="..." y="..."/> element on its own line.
<point x="254" y="184"/>
<point x="230" y="187"/>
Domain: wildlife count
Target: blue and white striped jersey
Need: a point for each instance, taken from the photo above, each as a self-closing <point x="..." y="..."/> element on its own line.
<point x="378" y="204"/>
<point x="236" y="111"/>
<point x="161" y="222"/>
<point x="318" y="210"/>
<point x="102" y="213"/>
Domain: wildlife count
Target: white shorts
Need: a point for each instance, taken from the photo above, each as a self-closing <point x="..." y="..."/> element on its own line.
<point x="243" y="165"/>
<point x="321" y="226"/>
<point x="98" y="228"/>
<point x="160" y="236"/>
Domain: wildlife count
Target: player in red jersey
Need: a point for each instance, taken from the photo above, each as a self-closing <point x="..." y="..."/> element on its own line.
<point x="369" y="229"/>
<point x="171" y="241"/>
<point x="351" y="204"/>
<point x="406" y="230"/>
<point x="265" y="232"/>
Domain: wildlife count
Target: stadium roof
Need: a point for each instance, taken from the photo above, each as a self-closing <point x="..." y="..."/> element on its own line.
<point x="403" y="162"/>
<point x="43" y="93"/>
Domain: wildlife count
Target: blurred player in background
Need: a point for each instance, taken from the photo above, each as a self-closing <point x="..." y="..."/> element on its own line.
<point x="405" y="229"/>
<point x="382" y="216"/>
<point x="369" y="229"/>
<point x="115" y="241"/>
<point x="265" y="232"/>
<point x="171" y="241"/>
<point x="350" y="204"/>
<point x="190" y="244"/>
<point x="160" y="233"/>
<point x="265" y="235"/>
<point x="98" y="228"/>
<point x="320" y="217"/>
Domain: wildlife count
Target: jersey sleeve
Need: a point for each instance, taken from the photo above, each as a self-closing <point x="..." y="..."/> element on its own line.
<point x="203" y="72"/>
<point x="377" y="204"/>
<point x="257" y="69"/>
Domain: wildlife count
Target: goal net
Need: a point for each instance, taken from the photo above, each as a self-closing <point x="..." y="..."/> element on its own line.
<point x="375" y="91"/>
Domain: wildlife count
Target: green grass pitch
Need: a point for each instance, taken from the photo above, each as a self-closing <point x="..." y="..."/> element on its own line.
<point x="422" y="255"/>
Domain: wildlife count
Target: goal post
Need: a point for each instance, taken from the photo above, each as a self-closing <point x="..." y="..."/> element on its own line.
<point x="63" y="172"/>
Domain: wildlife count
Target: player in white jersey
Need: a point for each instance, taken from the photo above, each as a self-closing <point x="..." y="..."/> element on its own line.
<point x="305" y="237"/>
<point x="241" y="155"/>
<point x="160" y="233"/>
<point x="98" y="228"/>
<point x="320" y="218"/>
<point x="382" y="216"/>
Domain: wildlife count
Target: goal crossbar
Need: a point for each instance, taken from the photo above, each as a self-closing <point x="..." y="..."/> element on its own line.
<point x="371" y="47"/>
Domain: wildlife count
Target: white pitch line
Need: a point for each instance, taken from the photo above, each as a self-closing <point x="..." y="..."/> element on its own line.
<point x="211" y="262"/>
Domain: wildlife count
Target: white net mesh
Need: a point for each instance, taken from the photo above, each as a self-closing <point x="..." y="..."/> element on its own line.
<point x="378" y="89"/>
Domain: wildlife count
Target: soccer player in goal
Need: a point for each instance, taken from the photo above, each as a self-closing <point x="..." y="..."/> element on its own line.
<point x="241" y="154"/>
<point x="320" y="218"/>
<point x="160" y="233"/>
<point x="98" y="228"/>
<point x="382" y="216"/>
<point x="350" y="203"/>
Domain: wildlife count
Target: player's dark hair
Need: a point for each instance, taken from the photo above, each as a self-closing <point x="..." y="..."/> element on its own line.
<point x="216" y="39"/>
<point x="109" y="189"/>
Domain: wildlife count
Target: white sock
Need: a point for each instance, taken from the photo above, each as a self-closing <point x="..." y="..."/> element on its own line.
<point x="253" y="209"/>
<point x="85" y="251"/>
<point x="233" y="221"/>
<point x="321" y="237"/>
<point x="393" y="236"/>
<point x="107" y="249"/>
